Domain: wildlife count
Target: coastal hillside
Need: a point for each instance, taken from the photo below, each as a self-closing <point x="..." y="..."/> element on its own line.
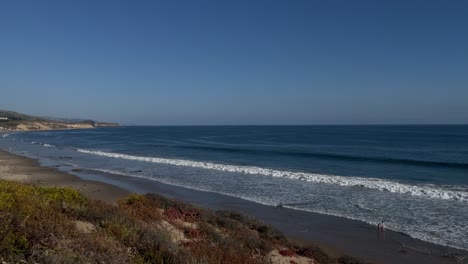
<point x="13" y="121"/>
<point x="60" y="225"/>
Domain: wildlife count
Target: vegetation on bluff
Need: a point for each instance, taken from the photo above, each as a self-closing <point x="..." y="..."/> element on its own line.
<point x="59" y="225"/>
<point x="10" y="120"/>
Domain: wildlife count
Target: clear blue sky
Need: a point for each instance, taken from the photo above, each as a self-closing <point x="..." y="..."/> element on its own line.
<point x="237" y="62"/>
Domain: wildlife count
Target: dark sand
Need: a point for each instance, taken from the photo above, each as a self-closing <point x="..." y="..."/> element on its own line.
<point x="336" y="235"/>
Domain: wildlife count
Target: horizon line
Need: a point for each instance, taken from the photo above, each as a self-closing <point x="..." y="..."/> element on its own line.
<point x="403" y="124"/>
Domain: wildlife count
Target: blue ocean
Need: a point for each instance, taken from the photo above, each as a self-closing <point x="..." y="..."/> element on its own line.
<point x="415" y="178"/>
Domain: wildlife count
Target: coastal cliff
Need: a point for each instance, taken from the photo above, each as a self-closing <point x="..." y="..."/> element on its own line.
<point x="13" y="121"/>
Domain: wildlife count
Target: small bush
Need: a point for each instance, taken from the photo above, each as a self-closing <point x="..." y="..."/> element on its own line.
<point x="265" y="231"/>
<point x="140" y="207"/>
<point x="63" y="194"/>
<point x="316" y="253"/>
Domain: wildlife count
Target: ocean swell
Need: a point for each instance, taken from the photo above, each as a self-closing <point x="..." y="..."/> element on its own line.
<point x="370" y="183"/>
<point x="332" y="156"/>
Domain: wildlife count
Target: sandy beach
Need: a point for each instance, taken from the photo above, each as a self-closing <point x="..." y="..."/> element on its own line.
<point x="26" y="170"/>
<point x="335" y="235"/>
<point x="252" y="132"/>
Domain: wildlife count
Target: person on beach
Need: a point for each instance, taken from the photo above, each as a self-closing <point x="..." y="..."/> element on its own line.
<point x="380" y="231"/>
<point x="380" y="226"/>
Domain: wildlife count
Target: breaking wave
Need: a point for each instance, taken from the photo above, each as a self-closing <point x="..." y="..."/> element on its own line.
<point x="370" y="183"/>
<point x="333" y="156"/>
<point x="43" y="144"/>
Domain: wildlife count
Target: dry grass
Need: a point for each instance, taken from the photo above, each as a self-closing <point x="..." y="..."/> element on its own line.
<point x="39" y="224"/>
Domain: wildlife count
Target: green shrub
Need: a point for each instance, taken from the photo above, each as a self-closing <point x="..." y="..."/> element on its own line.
<point x="316" y="253"/>
<point x="38" y="224"/>
<point x="63" y="194"/>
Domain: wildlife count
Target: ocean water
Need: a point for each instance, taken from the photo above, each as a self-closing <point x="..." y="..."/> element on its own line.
<point x="415" y="178"/>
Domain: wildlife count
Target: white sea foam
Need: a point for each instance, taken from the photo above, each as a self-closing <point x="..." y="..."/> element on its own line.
<point x="427" y="191"/>
<point x="419" y="234"/>
<point x="5" y="135"/>
<point x="43" y="144"/>
<point x="244" y="197"/>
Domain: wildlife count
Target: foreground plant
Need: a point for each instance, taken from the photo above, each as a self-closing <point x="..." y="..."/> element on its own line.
<point x="60" y="225"/>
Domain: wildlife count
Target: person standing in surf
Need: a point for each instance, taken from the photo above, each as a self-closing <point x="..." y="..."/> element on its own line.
<point x="380" y="226"/>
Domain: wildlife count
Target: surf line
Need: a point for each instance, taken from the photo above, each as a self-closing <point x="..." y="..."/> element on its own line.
<point x="370" y="183"/>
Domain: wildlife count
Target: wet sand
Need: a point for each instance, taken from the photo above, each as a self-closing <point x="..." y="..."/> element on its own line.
<point x="334" y="234"/>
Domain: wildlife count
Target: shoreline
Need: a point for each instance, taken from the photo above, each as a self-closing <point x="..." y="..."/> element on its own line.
<point x="27" y="170"/>
<point x="335" y="235"/>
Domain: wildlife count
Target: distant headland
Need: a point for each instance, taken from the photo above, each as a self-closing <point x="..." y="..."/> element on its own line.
<point x="13" y="121"/>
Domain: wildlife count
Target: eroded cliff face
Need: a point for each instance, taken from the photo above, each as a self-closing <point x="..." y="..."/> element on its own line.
<point x="27" y="126"/>
<point x="13" y="121"/>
